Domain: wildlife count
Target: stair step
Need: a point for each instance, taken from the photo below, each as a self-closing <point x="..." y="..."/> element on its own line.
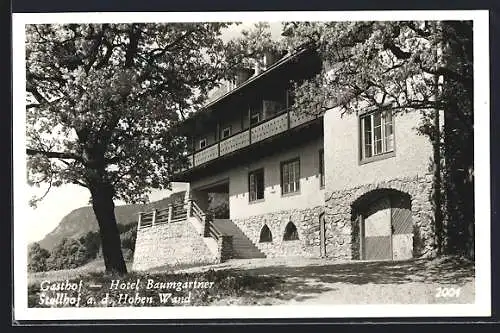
<point x="243" y="247"/>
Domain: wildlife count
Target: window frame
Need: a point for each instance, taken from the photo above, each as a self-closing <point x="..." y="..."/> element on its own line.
<point x="253" y="173"/>
<point x="296" y="182"/>
<point x="204" y="140"/>
<point x="256" y="114"/>
<point x="321" y="168"/>
<point x="229" y="132"/>
<point x="362" y="145"/>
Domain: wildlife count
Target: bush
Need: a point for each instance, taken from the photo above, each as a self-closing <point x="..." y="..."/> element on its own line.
<point x="128" y="238"/>
<point x="37" y="258"/>
<point x="69" y="253"/>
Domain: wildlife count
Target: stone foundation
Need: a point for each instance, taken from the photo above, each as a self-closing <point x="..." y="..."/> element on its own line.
<point x="171" y="244"/>
<point x="225" y="248"/>
<point x="305" y="220"/>
<point x="342" y="231"/>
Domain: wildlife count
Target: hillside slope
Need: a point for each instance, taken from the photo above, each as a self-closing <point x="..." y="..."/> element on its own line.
<point x="82" y="220"/>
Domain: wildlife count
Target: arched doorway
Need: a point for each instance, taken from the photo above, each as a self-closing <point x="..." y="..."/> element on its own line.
<point x="385" y="225"/>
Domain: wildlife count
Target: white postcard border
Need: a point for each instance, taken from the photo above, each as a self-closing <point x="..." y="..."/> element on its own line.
<point x="482" y="305"/>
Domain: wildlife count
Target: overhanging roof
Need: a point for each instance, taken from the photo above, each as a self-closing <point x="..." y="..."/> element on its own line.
<point x="286" y="59"/>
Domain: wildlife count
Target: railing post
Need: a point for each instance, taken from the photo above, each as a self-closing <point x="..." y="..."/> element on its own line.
<point x="287" y="109"/>
<point x="218" y="139"/>
<point x="154" y="218"/>
<point x="139" y="221"/>
<point x="205" y="226"/>
<point x="169" y="213"/>
<point x="249" y="126"/>
<point x="189" y="207"/>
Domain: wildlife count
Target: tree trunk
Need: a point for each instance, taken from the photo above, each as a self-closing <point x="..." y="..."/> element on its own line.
<point x="438" y="215"/>
<point x="104" y="209"/>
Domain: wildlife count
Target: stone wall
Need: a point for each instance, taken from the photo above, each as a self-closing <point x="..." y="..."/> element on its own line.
<point x="170" y="244"/>
<point x="225" y="247"/>
<point x="342" y="231"/>
<point x="306" y="222"/>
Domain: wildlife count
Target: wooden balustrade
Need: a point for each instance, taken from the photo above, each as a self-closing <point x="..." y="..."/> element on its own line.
<point x="234" y="142"/>
<point x="211" y="230"/>
<point x="270" y="128"/>
<point x="275" y="125"/>
<point x="173" y="213"/>
<point x="176" y="213"/>
<point x="197" y="212"/>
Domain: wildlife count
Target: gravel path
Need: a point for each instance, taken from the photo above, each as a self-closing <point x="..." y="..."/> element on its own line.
<point x="323" y="281"/>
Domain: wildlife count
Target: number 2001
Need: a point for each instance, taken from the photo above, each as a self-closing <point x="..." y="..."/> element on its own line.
<point x="447" y="292"/>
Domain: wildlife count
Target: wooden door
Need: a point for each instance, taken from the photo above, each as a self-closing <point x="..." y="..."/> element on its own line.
<point x="402" y="225"/>
<point x="377" y="231"/>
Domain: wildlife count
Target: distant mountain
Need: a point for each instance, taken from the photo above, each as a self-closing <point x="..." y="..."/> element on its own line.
<point x="82" y="220"/>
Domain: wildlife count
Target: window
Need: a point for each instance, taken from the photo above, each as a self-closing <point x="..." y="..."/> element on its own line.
<point x="254" y="118"/>
<point x="256" y="185"/>
<point x="321" y="168"/>
<point x="290" y="176"/>
<point x="203" y="143"/>
<point x="226" y="132"/>
<point x="377" y="134"/>
<point x="265" y="235"/>
<point x="290" y="232"/>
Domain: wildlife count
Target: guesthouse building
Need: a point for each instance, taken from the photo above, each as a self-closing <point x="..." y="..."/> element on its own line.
<point x="347" y="186"/>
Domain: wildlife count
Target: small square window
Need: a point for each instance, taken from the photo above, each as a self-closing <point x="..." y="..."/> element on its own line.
<point x="203" y="143"/>
<point x="254" y="118"/>
<point x="226" y="132"/>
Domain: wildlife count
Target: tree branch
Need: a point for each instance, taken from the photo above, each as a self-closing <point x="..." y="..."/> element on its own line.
<point x="98" y="40"/>
<point x="52" y="154"/>
<point x="398" y="52"/>
<point x="158" y="52"/>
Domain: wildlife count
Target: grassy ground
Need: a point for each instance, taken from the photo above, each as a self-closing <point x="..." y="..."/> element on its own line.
<point x="281" y="281"/>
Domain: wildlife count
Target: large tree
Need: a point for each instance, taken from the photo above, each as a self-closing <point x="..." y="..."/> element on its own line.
<point x="405" y="66"/>
<point x="102" y="100"/>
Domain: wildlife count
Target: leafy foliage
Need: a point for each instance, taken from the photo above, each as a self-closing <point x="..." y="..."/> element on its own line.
<point x="37" y="258"/>
<point x="409" y="66"/>
<point x="105" y="97"/>
<point x="70" y="253"/>
<point x="102" y="104"/>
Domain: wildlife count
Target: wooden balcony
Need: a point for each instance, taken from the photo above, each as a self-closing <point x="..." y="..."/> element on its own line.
<point x="268" y="128"/>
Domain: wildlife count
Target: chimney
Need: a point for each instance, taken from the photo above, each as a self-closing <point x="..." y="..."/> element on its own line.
<point x="257" y="67"/>
<point x="270" y="56"/>
<point x="242" y="75"/>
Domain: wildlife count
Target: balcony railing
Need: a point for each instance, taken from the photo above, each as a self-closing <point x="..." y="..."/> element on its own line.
<point x="277" y="124"/>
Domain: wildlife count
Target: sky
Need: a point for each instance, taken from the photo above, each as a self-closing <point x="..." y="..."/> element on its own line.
<point x="62" y="200"/>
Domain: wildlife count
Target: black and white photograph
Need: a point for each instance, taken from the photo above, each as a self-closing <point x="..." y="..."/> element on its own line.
<point x="251" y="165"/>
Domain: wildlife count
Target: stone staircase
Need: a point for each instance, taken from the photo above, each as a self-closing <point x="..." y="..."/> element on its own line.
<point x="243" y="248"/>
